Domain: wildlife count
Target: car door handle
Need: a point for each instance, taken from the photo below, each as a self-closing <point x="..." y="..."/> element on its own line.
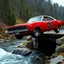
<point x="48" y="24"/>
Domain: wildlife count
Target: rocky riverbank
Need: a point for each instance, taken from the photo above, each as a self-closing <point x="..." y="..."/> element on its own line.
<point x="11" y="44"/>
<point x="58" y="56"/>
<point x="54" y="59"/>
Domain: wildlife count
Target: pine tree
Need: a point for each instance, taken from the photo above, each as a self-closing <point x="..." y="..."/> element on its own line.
<point x="25" y="12"/>
<point x="7" y="14"/>
<point x="11" y="18"/>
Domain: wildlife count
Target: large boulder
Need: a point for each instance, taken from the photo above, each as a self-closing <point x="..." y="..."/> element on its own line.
<point x="60" y="50"/>
<point x="22" y="45"/>
<point x="57" y="60"/>
<point x="22" y="51"/>
<point x="26" y="44"/>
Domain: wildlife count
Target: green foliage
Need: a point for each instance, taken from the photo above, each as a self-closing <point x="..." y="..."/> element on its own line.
<point x="25" y="12"/>
<point x="6" y="13"/>
<point x="10" y="9"/>
<point x="45" y="7"/>
<point x="11" y="18"/>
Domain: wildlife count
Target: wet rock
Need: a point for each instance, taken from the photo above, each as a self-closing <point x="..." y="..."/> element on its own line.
<point x="60" y="49"/>
<point x="27" y="44"/>
<point x="59" y="63"/>
<point x="29" y="38"/>
<point x="58" y="55"/>
<point x="22" y="45"/>
<point x="57" y="60"/>
<point x="60" y="41"/>
<point x="22" y="51"/>
<point x="62" y="38"/>
<point x="2" y="40"/>
<point x="38" y="58"/>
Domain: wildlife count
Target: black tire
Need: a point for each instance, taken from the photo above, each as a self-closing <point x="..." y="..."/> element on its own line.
<point x="57" y="30"/>
<point x="19" y="36"/>
<point x="36" y="33"/>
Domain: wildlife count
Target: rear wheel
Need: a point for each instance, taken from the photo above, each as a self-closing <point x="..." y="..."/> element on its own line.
<point x="19" y="36"/>
<point x="36" y="33"/>
<point x="57" y="30"/>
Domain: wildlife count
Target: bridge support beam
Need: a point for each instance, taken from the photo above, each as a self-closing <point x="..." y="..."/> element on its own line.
<point x="47" y="43"/>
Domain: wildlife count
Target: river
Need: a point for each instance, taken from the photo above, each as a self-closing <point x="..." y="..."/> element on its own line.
<point x="6" y="56"/>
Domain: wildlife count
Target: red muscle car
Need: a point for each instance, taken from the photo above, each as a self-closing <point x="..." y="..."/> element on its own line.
<point x="35" y="26"/>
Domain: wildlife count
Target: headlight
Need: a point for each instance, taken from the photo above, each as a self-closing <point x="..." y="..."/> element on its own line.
<point x="6" y="31"/>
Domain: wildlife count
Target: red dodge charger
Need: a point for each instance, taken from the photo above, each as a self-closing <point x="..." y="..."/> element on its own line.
<point x="35" y="26"/>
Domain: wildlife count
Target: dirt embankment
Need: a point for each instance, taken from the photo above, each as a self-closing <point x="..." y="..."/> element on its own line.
<point x="19" y="20"/>
<point x="2" y="29"/>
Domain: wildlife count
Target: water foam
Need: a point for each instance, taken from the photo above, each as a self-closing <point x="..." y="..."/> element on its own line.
<point x="9" y="58"/>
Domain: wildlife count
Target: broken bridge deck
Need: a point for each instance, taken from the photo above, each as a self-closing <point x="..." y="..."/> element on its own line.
<point x="47" y="41"/>
<point x="51" y="35"/>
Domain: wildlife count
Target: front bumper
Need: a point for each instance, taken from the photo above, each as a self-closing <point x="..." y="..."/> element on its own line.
<point x="16" y="31"/>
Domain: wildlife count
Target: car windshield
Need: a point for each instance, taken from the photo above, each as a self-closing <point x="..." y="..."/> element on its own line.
<point x="35" y="19"/>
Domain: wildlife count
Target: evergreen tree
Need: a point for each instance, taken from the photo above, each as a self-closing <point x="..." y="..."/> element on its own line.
<point x="7" y="15"/>
<point x="25" y="12"/>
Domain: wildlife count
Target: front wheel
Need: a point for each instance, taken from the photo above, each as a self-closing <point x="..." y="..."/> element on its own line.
<point x="19" y="36"/>
<point x="57" y="30"/>
<point x="36" y="33"/>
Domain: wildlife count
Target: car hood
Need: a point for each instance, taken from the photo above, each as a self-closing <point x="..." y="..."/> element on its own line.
<point x="21" y="24"/>
<point x="17" y="25"/>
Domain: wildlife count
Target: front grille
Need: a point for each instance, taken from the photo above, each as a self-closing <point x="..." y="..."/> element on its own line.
<point x="16" y="28"/>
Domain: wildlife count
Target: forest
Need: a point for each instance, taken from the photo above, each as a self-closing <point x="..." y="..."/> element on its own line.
<point x="11" y="9"/>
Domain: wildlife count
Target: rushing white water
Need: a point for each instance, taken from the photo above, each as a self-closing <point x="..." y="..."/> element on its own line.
<point x="9" y="58"/>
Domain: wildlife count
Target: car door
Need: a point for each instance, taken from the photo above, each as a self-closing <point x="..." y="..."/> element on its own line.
<point x="43" y="25"/>
<point x="49" y="23"/>
<point x="52" y="23"/>
<point x="55" y="24"/>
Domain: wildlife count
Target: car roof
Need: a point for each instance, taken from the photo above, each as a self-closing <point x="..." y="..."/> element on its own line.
<point x="48" y="16"/>
<point x="45" y="16"/>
